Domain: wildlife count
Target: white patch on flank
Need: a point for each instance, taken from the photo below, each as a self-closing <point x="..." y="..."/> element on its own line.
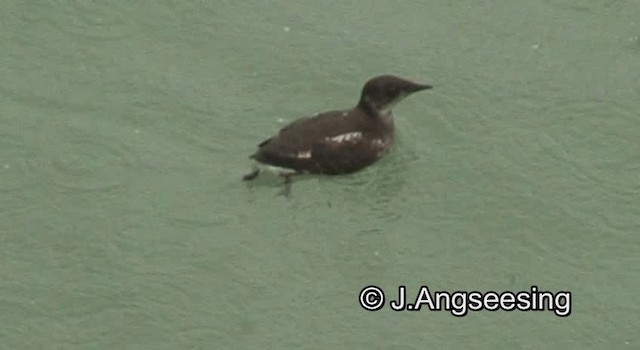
<point x="274" y="169"/>
<point x="344" y="114"/>
<point x="306" y="154"/>
<point x="378" y="143"/>
<point x="350" y="136"/>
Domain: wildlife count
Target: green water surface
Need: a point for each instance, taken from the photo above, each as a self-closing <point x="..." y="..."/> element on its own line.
<point x="125" y="128"/>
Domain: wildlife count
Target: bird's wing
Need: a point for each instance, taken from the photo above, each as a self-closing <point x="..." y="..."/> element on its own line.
<point x="299" y="145"/>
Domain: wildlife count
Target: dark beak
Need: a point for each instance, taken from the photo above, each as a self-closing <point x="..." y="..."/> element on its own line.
<point x="420" y="87"/>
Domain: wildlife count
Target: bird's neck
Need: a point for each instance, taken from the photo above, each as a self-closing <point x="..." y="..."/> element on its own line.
<point x="374" y="111"/>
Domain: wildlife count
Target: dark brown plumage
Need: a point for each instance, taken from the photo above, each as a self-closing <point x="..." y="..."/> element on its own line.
<point x="340" y="141"/>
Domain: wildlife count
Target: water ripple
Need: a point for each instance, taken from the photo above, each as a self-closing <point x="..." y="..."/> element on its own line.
<point x="85" y="162"/>
<point x="603" y="146"/>
<point x="189" y="205"/>
<point x="14" y="153"/>
<point x="35" y="99"/>
<point x="93" y="20"/>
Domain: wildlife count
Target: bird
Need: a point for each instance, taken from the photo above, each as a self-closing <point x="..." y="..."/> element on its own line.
<point x="336" y="142"/>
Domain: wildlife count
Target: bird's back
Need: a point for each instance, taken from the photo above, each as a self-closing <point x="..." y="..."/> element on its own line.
<point x="334" y="142"/>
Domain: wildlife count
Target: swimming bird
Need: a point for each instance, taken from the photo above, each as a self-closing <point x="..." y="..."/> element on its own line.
<point x="338" y="141"/>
